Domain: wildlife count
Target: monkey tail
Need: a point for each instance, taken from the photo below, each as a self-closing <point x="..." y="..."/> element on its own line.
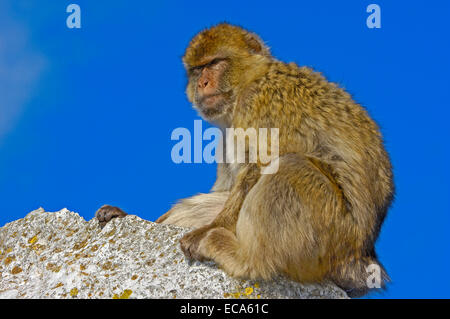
<point x="360" y="277"/>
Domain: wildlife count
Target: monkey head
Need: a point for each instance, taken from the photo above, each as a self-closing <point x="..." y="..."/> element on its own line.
<point x="219" y="62"/>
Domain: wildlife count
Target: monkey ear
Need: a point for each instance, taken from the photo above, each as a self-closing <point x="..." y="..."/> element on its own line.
<point x="255" y="44"/>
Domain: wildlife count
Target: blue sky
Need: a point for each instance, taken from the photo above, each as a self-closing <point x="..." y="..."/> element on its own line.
<point x="86" y="114"/>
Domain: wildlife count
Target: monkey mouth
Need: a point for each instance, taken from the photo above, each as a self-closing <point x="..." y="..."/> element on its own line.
<point x="211" y="106"/>
<point x="210" y="100"/>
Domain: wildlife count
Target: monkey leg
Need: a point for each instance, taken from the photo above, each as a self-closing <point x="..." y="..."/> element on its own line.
<point x="196" y="211"/>
<point x="246" y="178"/>
<point x="285" y="225"/>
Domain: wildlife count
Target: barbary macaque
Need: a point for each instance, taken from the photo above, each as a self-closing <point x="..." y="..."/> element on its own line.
<point x="318" y="216"/>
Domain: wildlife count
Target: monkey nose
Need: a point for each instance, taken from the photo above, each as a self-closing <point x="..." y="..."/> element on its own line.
<point x="203" y="84"/>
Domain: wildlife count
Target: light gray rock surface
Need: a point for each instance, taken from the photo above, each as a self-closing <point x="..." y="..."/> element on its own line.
<point x="60" y="255"/>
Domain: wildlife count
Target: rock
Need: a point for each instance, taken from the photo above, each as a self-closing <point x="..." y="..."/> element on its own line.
<point x="60" y="255"/>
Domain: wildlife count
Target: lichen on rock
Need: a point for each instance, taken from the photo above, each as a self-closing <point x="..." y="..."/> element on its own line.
<point x="60" y="255"/>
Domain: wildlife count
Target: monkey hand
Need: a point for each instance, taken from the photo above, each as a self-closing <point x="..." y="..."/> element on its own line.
<point x="190" y="243"/>
<point x="105" y="213"/>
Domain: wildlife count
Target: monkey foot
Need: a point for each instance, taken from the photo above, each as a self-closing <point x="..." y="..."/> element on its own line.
<point x="105" y="213"/>
<point x="190" y="244"/>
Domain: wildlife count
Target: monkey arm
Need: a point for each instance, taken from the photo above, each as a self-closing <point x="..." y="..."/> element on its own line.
<point x="247" y="177"/>
<point x="224" y="180"/>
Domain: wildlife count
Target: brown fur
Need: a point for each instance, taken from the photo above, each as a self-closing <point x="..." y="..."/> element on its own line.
<point x="318" y="217"/>
<point x="196" y="211"/>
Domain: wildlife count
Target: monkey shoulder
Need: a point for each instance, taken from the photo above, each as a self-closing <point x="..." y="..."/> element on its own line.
<point x="287" y="84"/>
<point x="287" y="90"/>
<point x="299" y="98"/>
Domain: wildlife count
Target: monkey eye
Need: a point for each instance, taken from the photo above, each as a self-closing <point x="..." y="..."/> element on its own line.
<point x="215" y="61"/>
<point x="197" y="69"/>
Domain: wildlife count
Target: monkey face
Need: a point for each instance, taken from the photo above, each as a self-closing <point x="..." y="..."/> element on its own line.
<point x="218" y="61"/>
<point x="209" y="88"/>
